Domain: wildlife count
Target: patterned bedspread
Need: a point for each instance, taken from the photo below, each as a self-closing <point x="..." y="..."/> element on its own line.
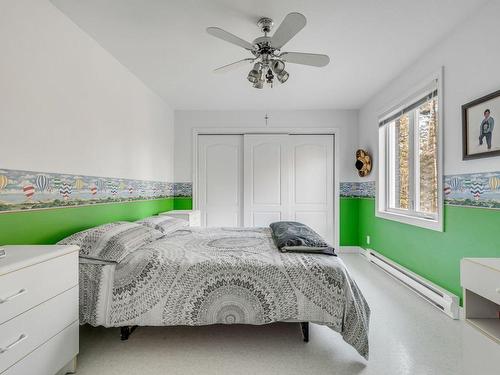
<point x="223" y="275"/>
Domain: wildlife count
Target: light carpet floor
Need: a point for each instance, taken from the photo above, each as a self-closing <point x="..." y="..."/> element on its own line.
<point x="407" y="336"/>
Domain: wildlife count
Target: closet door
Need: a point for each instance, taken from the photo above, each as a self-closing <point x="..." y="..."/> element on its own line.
<point x="220" y="180"/>
<point x="311" y="182"/>
<point x="265" y="179"/>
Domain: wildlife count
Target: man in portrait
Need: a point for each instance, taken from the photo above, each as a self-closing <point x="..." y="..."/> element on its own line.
<point x="486" y="130"/>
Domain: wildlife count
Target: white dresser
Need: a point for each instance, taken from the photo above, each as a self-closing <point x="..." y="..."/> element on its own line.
<point x="193" y="216"/>
<point x="38" y="310"/>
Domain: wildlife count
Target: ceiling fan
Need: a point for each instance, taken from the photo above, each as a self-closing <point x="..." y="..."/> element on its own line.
<point x="268" y="59"/>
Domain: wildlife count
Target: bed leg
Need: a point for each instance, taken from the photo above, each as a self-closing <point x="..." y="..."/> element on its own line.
<point x="125" y="332"/>
<point x="305" y="330"/>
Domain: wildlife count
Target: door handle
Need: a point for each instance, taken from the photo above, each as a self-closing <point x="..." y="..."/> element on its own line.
<point x="10" y="346"/>
<point x="7" y="299"/>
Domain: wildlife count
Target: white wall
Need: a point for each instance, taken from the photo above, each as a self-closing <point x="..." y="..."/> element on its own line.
<point x="470" y="55"/>
<point x="345" y="121"/>
<point x="68" y="106"/>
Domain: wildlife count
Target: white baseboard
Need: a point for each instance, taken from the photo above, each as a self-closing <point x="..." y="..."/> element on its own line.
<point x="350" y="250"/>
<point x="457" y="313"/>
<point x="364" y="252"/>
<point x="437" y="296"/>
<point x="353" y="250"/>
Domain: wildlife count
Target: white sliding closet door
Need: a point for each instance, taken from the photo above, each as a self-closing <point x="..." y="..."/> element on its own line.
<point x="289" y="177"/>
<point x="220" y="180"/>
<point x="266" y="179"/>
<point x="253" y="180"/>
<point x="311" y="182"/>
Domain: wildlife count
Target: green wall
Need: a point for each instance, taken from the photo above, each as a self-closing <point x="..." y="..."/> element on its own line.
<point x="51" y="225"/>
<point x="349" y="222"/>
<point x="183" y="203"/>
<point x="468" y="232"/>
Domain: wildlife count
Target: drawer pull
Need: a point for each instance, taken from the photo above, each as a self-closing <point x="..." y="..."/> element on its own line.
<point x="10" y="346"/>
<point x="7" y="299"/>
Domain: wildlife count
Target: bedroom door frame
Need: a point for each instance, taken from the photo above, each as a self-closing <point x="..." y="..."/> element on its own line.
<point x="295" y="131"/>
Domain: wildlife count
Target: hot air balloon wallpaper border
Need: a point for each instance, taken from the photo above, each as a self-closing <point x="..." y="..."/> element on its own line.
<point x="474" y="190"/>
<point x="470" y="190"/>
<point x="357" y="189"/>
<point x="28" y="190"/>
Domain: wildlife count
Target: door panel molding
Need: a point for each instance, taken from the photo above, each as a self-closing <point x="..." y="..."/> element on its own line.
<point x="312" y="175"/>
<point x="265" y="176"/>
<point x="310" y="171"/>
<point x="220" y="179"/>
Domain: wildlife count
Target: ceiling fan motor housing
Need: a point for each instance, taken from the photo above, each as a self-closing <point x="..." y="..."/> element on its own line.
<point x="265" y="24"/>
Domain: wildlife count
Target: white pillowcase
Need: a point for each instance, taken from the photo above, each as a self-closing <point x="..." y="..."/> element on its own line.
<point x="113" y="241"/>
<point x="164" y="224"/>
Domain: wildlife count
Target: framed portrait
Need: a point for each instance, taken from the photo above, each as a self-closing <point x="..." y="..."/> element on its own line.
<point x="481" y="127"/>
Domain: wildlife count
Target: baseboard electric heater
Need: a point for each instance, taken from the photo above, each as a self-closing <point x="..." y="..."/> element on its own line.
<point x="435" y="295"/>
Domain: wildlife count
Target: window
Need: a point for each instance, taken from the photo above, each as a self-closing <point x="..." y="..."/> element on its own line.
<point x="409" y="185"/>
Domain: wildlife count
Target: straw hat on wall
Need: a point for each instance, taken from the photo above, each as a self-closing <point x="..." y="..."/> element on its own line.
<point x="363" y="163"/>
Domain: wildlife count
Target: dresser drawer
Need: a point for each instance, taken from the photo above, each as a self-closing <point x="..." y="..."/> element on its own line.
<point x="30" y="286"/>
<point x="481" y="280"/>
<point x="50" y="357"/>
<point x="27" y="331"/>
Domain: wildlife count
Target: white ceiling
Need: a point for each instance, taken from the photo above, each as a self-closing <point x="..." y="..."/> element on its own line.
<point x="165" y="44"/>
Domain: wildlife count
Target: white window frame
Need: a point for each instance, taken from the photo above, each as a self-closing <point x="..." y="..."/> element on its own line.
<point x="382" y="210"/>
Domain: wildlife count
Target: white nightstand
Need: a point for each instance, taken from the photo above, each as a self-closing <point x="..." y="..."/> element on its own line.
<point x="38" y="310"/>
<point x="193" y="216"/>
<point x="480" y="279"/>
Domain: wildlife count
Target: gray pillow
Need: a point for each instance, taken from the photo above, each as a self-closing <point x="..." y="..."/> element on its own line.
<point x="298" y="237"/>
<point x="163" y="223"/>
<point x="112" y="241"/>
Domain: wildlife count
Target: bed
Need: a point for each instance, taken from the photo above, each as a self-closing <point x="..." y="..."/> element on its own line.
<point x="201" y="276"/>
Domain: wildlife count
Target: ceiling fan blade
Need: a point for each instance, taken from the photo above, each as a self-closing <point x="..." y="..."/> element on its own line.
<point x="228" y="37"/>
<point x="291" y="25"/>
<point x="234" y="65"/>
<point x="312" y="59"/>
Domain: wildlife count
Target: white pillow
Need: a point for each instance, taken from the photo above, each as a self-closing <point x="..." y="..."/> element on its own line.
<point x="164" y="224"/>
<point x="112" y="241"/>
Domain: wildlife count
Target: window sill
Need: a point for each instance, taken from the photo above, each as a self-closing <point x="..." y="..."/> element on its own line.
<point x="421" y="222"/>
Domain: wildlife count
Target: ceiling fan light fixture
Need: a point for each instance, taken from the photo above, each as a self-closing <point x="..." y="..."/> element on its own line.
<point x="259" y="84"/>
<point x="283" y="76"/>
<point x="255" y="74"/>
<point x="278" y="66"/>
<point x="252" y="76"/>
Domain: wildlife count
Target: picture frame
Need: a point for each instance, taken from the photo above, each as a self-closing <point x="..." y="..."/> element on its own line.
<point x="481" y="127"/>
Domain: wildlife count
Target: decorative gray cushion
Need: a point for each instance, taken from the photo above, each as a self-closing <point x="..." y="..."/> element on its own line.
<point x="112" y="241"/>
<point x="163" y="223"/>
<point x="298" y="237"/>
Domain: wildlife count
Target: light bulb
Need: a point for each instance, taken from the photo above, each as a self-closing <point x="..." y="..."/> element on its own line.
<point x="278" y="66"/>
<point x="259" y="84"/>
<point x="283" y="76"/>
